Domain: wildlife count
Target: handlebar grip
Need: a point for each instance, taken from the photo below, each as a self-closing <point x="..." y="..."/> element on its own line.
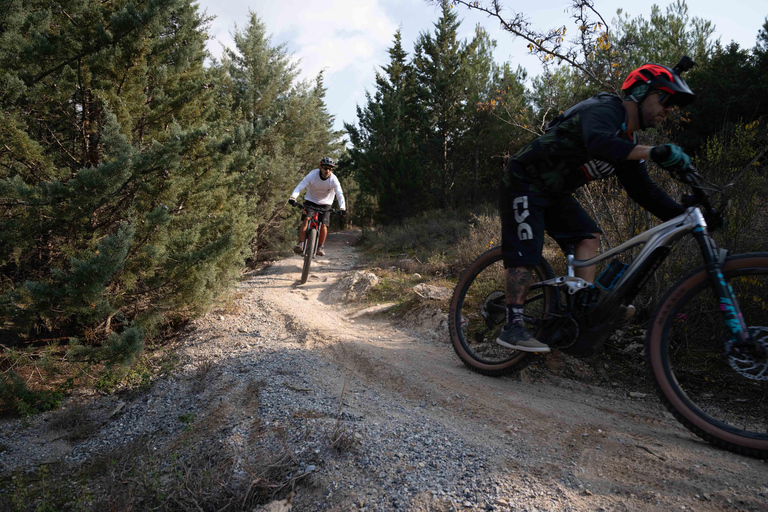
<point x="660" y="153"/>
<point x="690" y="175"/>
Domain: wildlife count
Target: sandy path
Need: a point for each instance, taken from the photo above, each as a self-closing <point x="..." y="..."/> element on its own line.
<point x="614" y="451"/>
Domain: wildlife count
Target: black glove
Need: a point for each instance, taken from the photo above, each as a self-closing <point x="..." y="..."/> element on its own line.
<point x="292" y="202"/>
<point x="671" y="158"/>
<point x="342" y="212"/>
<point x="714" y="219"/>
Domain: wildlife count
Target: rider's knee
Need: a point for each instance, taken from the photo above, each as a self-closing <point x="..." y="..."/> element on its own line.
<point x="588" y="248"/>
<point x="591" y="242"/>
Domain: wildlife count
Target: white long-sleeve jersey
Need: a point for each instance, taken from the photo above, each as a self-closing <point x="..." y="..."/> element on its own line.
<point x="320" y="191"/>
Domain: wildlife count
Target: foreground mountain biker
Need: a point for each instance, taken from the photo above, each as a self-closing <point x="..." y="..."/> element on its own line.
<point x="322" y="187"/>
<point x="592" y="140"/>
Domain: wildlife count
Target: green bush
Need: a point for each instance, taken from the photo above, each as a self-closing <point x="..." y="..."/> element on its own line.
<point x="15" y="396"/>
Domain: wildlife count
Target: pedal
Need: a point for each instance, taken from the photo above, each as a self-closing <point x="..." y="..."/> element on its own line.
<point x="629" y="312"/>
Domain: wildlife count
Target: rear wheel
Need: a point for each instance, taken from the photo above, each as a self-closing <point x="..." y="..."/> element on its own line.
<point x="309" y="252"/>
<point x="479" y="312"/>
<point x="723" y="400"/>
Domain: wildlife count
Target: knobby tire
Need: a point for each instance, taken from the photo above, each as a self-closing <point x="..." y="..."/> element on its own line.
<point x="685" y="355"/>
<point x="478" y="313"/>
<point x="309" y="253"/>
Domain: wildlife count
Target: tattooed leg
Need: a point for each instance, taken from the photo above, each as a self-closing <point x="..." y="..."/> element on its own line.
<point x="518" y="281"/>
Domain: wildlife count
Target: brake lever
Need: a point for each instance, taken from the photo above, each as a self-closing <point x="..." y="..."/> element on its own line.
<point x="688" y="200"/>
<point x="690" y="176"/>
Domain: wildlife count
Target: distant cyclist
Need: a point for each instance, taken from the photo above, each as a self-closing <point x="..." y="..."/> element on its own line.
<point x="322" y="187"/>
<point x="592" y="140"/>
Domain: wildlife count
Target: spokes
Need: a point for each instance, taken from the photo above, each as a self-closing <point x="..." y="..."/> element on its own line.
<point x="484" y="313"/>
<point x="733" y="388"/>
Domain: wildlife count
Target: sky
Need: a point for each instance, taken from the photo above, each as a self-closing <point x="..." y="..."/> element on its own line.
<point x="349" y="39"/>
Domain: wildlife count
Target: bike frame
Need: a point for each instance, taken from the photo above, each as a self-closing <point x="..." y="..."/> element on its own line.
<point x="313" y="221"/>
<point x="657" y="243"/>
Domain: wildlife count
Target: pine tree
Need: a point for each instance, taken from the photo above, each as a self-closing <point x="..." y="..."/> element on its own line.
<point x="433" y="133"/>
<point x="480" y="72"/>
<point x="281" y="129"/>
<point x="134" y="181"/>
<point x="440" y="65"/>
<point x="384" y="153"/>
<point x="114" y="203"/>
<point x="663" y="39"/>
<point x="454" y="78"/>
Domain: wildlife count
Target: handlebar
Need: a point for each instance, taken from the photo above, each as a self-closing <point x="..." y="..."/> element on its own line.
<point x="694" y="180"/>
<point x="313" y="208"/>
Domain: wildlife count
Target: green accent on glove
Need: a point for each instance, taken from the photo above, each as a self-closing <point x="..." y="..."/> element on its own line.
<point x="671" y="157"/>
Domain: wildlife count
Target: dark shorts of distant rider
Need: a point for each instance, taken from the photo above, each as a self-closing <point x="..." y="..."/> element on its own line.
<point x="324" y="209"/>
<point x="527" y="212"/>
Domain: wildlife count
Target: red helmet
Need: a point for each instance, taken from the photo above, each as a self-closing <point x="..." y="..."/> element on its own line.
<point x="650" y="77"/>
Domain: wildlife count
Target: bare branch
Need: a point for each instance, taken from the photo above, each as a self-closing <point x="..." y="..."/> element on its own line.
<point x="550" y="44"/>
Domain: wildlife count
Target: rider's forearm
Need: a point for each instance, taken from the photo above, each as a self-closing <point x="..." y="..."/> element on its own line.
<point x="640" y="152"/>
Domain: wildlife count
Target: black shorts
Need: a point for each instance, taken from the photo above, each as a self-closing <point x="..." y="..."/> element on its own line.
<point x="526" y="213"/>
<point x="324" y="209"/>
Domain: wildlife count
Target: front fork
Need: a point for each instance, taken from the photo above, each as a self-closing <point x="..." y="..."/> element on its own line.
<point x="729" y="306"/>
<point x="312" y="222"/>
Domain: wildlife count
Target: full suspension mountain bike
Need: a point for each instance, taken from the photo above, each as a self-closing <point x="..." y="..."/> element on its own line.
<point x="707" y="343"/>
<point x="311" y="237"/>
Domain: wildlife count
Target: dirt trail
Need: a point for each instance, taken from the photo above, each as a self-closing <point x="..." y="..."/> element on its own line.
<point x="283" y="388"/>
<point x="607" y="450"/>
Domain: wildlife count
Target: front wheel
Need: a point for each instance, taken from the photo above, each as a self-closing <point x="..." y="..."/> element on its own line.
<point x="478" y="314"/>
<point x="722" y="399"/>
<point x="309" y="252"/>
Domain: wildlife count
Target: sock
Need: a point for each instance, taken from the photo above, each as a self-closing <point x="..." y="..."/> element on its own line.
<point x="514" y="314"/>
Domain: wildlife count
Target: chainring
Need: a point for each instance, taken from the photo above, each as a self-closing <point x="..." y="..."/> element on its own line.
<point x="494" y="309"/>
<point x="563" y="331"/>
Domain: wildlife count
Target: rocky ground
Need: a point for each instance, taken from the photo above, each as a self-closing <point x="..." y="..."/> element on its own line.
<point x="289" y="399"/>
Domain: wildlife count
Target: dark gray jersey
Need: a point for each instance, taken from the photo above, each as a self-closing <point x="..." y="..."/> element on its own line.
<point x="589" y="141"/>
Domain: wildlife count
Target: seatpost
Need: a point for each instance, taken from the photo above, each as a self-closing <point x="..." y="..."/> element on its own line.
<point x="569" y="260"/>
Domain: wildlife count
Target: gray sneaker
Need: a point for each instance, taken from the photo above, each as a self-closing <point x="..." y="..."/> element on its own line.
<point x="298" y="249"/>
<point x="517" y="337"/>
<point x="320" y="251"/>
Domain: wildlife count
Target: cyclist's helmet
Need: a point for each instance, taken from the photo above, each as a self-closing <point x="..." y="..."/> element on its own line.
<point x="650" y="77"/>
<point x="328" y="161"/>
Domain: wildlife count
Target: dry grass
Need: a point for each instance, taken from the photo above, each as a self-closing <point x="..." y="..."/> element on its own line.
<point x="202" y="371"/>
<point x="74" y="423"/>
<point x="340" y="440"/>
<point x="230" y="303"/>
<point x="188" y="473"/>
<point x="395" y="285"/>
<point x="427" y="240"/>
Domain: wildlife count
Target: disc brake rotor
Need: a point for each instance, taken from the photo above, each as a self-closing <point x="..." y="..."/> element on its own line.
<point x="752" y="364"/>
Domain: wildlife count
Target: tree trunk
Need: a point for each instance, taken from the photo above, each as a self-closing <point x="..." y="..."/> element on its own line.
<point x="476" y="172"/>
<point x="444" y="198"/>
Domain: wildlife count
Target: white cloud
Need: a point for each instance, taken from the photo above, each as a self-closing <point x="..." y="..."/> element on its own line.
<point x="347" y="39"/>
<point x="331" y="34"/>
